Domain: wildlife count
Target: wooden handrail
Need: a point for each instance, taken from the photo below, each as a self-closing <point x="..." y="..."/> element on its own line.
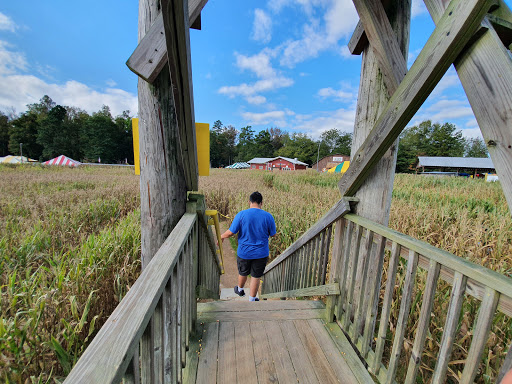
<point x="341" y="208"/>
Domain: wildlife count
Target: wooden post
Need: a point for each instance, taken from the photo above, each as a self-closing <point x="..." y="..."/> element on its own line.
<point x="375" y="193"/>
<point x="162" y="180"/>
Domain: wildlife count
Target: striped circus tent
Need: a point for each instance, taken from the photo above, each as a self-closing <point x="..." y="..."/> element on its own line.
<point x="240" y="165"/>
<point x="63" y="160"/>
<point x="16" y="160"/>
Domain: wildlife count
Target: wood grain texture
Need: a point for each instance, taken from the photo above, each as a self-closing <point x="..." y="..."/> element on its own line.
<point x="245" y="361"/>
<point x="226" y="372"/>
<point x="207" y="366"/>
<point x="265" y="368"/>
<point x="448" y="39"/>
<point x="383" y="41"/>
<point x="320" y="290"/>
<point x="116" y="342"/>
<point x="150" y="56"/>
<point x="291" y="314"/>
<point x="267" y="305"/>
<point x="176" y="28"/>
<point x="338" y="210"/>
<point x="304" y="369"/>
<point x="280" y="356"/>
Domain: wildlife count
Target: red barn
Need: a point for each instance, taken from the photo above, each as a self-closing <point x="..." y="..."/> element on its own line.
<point x="277" y="163"/>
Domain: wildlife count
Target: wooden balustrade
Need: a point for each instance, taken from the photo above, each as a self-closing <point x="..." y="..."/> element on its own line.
<point x="362" y="298"/>
<point x="147" y="336"/>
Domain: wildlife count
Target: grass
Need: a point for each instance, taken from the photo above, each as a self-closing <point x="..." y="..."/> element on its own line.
<point x="69" y="250"/>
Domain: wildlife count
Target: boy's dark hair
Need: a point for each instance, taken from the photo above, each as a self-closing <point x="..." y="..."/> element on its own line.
<point x="256" y="198"/>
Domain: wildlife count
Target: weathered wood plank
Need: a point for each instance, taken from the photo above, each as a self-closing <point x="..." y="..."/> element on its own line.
<point x="480" y="274"/>
<point x="245" y="361"/>
<point x="335" y="266"/>
<point x="125" y="326"/>
<point x="352" y="270"/>
<point x="328" y="237"/>
<point x="383" y="41"/>
<point x="176" y="28"/>
<point x="316" y="354"/>
<point x="450" y="328"/>
<point x="267" y="305"/>
<point x="386" y="307"/>
<point x="480" y="336"/>
<point x="448" y="39"/>
<point x="403" y="316"/>
<point x="150" y="56"/>
<point x="265" y="368"/>
<point x="348" y="353"/>
<point x="304" y="370"/>
<point x="226" y="372"/>
<point x="190" y="370"/>
<point x="282" y="362"/>
<point x="338" y="210"/>
<point x="424" y="321"/>
<point x="344" y="268"/>
<point x="319" y="290"/>
<point x="336" y="361"/>
<point x="208" y="349"/>
<point x="506" y="366"/>
<point x="291" y="314"/>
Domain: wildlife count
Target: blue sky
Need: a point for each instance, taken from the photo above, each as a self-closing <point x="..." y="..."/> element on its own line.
<point x="268" y="63"/>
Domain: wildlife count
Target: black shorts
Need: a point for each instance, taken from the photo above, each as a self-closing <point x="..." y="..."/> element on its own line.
<point x="253" y="266"/>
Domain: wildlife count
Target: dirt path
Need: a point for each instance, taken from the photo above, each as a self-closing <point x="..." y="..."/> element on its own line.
<point x="230" y="278"/>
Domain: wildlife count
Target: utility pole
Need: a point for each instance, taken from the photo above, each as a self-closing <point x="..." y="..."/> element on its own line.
<point x="318" y="154"/>
<point x="21" y="152"/>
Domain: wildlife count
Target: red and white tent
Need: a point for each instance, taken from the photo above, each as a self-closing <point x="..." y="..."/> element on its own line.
<point x="63" y="160"/>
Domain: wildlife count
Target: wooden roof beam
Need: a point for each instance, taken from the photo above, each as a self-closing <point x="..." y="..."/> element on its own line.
<point x="176" y="29"/>
<point x="460" y="21"/>
<point x="485" y="72"/>
<point x="383" y="41"/>
<point x="150" y="56"/>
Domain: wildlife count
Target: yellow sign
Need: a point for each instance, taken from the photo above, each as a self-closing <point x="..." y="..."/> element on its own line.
<point x="203" y="148"/>
<point x="135" y="132"/>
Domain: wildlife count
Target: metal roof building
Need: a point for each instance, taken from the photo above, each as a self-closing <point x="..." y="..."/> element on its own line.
<point x="455" y="162"/>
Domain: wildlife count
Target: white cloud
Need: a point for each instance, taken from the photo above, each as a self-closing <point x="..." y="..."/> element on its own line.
<point x="19" y="89"/>
<point x="472" y="133"/>
<point x="262" y="26"/>
<point x="336" y="94"/>
<point x="11" y="62"/>
<point x="259" y="64"/>
<point x="342" y="119"/>
<point x="6" y="23"/>
<point x="111" y="83"/>
<point x="275" y="118"/>
<point x="339" y="20"/>
<point x="449" y="80"/>
<point x="418" y="8"/>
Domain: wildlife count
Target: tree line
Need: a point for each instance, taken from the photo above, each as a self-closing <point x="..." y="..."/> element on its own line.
<point x="47" y="130"/>
<point x="229" y="145"/>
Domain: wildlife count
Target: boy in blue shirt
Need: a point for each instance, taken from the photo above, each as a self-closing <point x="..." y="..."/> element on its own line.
<point x="254" y="226"/>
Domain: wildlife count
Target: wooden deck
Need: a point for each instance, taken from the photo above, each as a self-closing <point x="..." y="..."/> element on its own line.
<point x="270" y="342"/>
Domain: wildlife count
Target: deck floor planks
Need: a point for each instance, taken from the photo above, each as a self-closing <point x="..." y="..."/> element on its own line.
<point x="226" y="371"/>
<point x="245" y="361"/>
<point x="262" y="354"/>
<point x="284" y="346"/>
<point x="300" y="360"/>
<point x="207" y="367"/>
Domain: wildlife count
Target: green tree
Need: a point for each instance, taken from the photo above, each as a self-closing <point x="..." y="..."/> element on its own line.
<point x="300" y="146"/>
<point x="124" y="149"/>
<point x="99" y="137"/>
<point x="4" y="134"/>
<point x="53" y="134"/>
<point x="263" y="144"/>
<point x="24" y="130"/>
<point x="475" y="147"/>
<point x="246" y="145"/>
<point x="276" y="138"/>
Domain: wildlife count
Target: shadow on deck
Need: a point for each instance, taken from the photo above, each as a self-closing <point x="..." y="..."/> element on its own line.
<point x="270" y="342"/>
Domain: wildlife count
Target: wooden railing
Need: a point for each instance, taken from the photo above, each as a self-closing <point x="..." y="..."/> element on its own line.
<point x="147" y="336"/>
<point x="362" y="295"/>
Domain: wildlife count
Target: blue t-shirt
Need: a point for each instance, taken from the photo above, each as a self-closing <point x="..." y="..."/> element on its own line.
<point x="254" y="226"/>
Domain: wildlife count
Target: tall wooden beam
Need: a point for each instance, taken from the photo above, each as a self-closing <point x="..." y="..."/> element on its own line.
<point x="375" y="193"/>
<point x="162" y="180"/>
<point x="453" y="32"/>
<point x="176" y="27"/>
<point x="485" y="71"/>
